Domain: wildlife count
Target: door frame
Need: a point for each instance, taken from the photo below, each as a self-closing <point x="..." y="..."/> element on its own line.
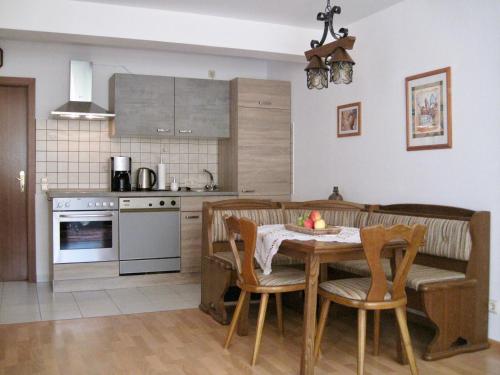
<point x="30" y="84"/>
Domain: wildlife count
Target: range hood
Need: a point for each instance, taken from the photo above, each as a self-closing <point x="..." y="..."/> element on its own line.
<point x="80" y="104"/>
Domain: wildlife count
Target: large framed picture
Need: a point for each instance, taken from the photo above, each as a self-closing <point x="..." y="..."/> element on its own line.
<point x="349" y="119"/>
<point x="428" y="110"/>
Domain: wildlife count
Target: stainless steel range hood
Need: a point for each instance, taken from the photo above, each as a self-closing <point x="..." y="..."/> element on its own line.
<point x="80" y="104"/>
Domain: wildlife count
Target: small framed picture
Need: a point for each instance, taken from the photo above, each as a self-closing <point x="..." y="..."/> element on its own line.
<point x="349" y="120"/>
<point x="428" y="110"/>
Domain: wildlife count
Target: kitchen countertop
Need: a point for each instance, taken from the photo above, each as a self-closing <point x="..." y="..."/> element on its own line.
<point x="77" y="193"/>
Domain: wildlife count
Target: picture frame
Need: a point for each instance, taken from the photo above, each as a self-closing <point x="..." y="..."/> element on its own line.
<point x="428" y="110"/>
<point x="349" y="120"/>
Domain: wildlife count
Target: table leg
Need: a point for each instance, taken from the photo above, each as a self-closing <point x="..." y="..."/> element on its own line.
<point x="400" y="353"/>
<point x="309" y="324"/>
<point x="243" y="321"/>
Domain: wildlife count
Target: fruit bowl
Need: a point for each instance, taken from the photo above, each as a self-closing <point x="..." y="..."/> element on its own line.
<point x="313" y="232"/>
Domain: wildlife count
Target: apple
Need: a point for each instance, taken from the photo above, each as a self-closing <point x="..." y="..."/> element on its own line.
<point x="319" y="224"/>
<point x="308" y="223"/>
<point x="315" y="215"/>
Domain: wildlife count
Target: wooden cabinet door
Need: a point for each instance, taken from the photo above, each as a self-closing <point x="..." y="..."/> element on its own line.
<point x="259" y="93"/>
<point x="264" y="160"/>
<point x="201" y="108"/>
<point x="191" y="241"/>
<point x="143" y="105"/>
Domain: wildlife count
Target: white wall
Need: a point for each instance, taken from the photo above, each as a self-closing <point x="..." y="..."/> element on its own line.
<point x="411" y="37"/>
<point x="98" y="23"/>
<point x="49" y="64"/>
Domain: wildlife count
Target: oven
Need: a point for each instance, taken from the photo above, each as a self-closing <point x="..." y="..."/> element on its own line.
<point x="84" y="230"/>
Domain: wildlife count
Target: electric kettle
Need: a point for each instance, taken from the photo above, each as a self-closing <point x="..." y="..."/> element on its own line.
<point x="146" y="178"/>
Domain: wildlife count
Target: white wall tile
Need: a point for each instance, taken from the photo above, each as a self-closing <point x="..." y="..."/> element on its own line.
<point x="76" y="154"/>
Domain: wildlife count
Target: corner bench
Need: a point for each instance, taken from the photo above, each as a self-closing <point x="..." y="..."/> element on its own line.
<point x="448" y="284"/>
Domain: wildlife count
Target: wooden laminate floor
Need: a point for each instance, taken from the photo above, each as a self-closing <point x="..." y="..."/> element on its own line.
<point x="186" y="342"/>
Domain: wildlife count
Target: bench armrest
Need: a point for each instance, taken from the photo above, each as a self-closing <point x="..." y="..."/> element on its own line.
<point x="466" y="283"/>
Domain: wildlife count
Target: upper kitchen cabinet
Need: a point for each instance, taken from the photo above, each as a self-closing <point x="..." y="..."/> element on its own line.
<point x="259" y="93"/>
<point x="201" y="108"/>
<point x="143" y="105"/>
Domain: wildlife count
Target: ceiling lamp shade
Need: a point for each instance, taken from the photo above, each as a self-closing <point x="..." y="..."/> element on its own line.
<point x="340" y="66"/>
<point x="317" y="74"/>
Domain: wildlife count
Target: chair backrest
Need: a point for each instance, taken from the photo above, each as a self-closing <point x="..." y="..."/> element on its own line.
<point x="247" y="230"/>
<point x="374" y="239"/>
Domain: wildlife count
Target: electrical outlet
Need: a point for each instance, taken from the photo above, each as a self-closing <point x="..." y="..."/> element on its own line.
<point x="492" y="307"/>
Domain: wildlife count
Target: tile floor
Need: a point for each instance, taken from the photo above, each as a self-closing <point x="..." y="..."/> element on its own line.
<point x="25" y="302"/>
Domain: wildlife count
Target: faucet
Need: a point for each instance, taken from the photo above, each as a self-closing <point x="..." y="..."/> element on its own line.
<point x="211" y="186"/>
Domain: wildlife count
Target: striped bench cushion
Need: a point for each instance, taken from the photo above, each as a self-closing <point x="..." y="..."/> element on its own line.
<point x="346" y="218"/>
<point x="282" y="276"/>
<point x="418" y="275"/>
<point x="445" y="238"/>
<point x="278" y="260"/>
<point x="356" y="289"/>
<point x="260" y="216"/>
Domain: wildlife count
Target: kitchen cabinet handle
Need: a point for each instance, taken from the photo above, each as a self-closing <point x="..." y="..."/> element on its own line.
<point x="265" y="102"/>
<point x="162" y="130"/>
<point x="192" y="216"/>
<point x="183" y="131"/>
<point x="248" y="191"/>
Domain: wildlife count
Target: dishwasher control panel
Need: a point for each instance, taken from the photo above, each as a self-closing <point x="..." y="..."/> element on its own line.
<point x="144" y="203"/>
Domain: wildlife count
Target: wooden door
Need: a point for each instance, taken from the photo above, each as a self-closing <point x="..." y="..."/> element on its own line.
<point x="201" y="108"/>
<point x="191" y="241"/>
<point x="264" y="160"/>
<point x="13" y="160"/>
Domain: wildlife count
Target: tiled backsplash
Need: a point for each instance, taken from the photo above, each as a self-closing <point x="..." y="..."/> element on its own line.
<point x="76" y="154"/>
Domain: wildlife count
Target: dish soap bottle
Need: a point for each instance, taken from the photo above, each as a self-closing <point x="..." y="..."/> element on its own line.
<point x="335" y="196"/>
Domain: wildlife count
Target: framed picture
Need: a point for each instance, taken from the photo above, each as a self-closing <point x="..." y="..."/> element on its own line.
<point x="428" y="110"/>
<point x="349" y="120"/>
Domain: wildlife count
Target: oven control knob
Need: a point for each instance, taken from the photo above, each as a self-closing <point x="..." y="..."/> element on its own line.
<point x="173" y="203"/>
<point x="91" y="204"/>
<point x="60" y="204"/>
<point x="104" y="204"/>
<point x="98" y="204"/>
<point x="162" y="203"/>
<point x="111" y="204"/>
<point x="66" y="204"/>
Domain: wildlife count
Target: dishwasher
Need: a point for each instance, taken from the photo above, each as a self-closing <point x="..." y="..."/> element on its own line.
<point x="149" y="233"/>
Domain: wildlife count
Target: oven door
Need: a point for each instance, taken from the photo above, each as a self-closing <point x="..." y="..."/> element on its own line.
<point x="85" y="236"/>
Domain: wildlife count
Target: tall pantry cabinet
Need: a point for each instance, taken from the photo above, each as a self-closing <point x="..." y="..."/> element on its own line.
<point x="256" y="159"/>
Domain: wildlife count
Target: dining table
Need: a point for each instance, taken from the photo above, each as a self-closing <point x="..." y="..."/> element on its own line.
<point x="316" y="256"/>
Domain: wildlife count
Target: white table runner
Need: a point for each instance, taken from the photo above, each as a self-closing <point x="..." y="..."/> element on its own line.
<point x="270" y="237"/>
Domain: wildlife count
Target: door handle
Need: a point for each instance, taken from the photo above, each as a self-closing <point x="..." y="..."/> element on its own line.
<point x="162" y="130"/>
<point x="247" y="191"/>
<point x="21" y="180"/>
<point x="265" y="102"/>
<point x="182" y="131"/>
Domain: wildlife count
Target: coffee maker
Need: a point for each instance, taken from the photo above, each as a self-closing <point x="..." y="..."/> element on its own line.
<point x="121" y="170"/>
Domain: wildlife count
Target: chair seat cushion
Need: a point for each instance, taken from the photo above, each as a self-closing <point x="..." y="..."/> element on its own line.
<point x="281" y="275"/>
<point x="356" y="289"/>
<point x="418" y="275"/>
<point x="228" y="257"/>
<point x="278" y="260"/>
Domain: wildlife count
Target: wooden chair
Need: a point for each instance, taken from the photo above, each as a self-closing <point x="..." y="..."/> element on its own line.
<point x="375" y="293"/>
<point x="251" y="280"/>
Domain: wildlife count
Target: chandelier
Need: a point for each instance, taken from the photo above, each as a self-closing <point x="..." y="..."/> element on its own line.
<point x="332" y="57"/>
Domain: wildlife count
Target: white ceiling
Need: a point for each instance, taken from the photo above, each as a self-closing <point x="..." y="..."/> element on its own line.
<point x="287" y="12"/>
